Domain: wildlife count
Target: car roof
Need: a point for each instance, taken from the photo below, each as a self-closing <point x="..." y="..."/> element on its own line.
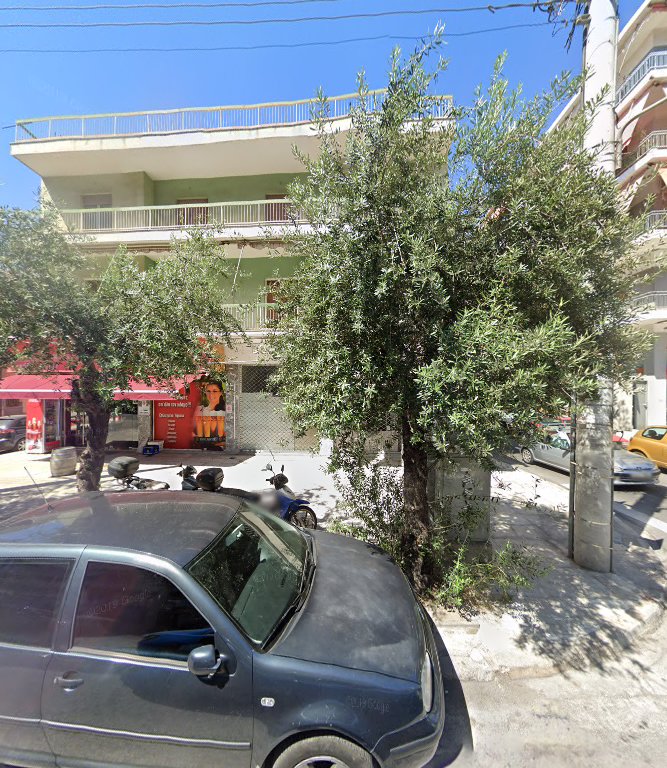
<point x="172" y="524"/>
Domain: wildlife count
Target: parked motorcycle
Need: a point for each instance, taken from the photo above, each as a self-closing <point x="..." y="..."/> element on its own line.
<point x="123" y="468"/>
<point x="285" y="502"/>
<point x="209" y="479"/>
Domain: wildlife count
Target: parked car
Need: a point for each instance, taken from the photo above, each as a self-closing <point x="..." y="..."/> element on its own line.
<point x="180" y="629"/>
<point x="651" y="443"/>
<point x="554" y="450"/>
<point x="12" y="433"/>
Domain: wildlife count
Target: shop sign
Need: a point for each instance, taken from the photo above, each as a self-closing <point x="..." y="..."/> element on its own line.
<point x="194" y="420"/>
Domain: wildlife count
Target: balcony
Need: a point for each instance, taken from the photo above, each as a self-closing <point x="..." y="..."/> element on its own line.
<point x="657" y="140"/>
<point x="652" y="309"/>
<point x="231" y="118"/>
<point x="656" y="60"/>
<point x="185" y="143"/>
<point x="253" y="317"/>
<point x="158" y="222"/>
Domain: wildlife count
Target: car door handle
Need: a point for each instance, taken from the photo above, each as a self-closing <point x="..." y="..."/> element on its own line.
<point x="68" y="683"/>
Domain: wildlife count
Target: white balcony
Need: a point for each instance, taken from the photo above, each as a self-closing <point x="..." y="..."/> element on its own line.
<point x="253" y="317"/>
<point x="653" y="67"/>
<point x="185" y="143"/>
<point x="650" y="150"/>
<point x="157" y="223"/>
<point x="652" y="308"/>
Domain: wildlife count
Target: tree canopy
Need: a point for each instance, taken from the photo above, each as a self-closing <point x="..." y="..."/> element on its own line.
<point x="460" y="276"/>
<point x="153" y="323"/>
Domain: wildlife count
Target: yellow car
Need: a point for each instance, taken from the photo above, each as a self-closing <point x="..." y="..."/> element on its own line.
<point x="652" y="443"/>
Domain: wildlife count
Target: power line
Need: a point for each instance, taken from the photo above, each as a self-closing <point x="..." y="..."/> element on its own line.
<point x="161" y="6"/>
<point x="280" y="45"/>
<point x="253" y="22"/>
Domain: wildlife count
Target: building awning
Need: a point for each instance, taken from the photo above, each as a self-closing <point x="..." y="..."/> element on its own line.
<point x="58" y="386"/>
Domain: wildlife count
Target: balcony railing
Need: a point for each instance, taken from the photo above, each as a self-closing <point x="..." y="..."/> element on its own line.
<point x="651" y="301"/>
<point x="656" y="220"/>
<point x="655" y="140"/>
<point x="655" y="60"/>
<point x="237" y="214"/>
<point x="198" y="119"/>
<point x="253" y="317"/>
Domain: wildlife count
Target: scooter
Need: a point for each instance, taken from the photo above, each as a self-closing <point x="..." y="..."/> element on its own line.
<point x="285" y="503"/>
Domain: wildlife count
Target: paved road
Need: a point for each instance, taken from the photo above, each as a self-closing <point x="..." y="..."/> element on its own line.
<point x="645" y="507"/>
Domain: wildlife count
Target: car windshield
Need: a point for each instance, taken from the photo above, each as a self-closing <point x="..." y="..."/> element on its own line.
<point x="254" y="570"/>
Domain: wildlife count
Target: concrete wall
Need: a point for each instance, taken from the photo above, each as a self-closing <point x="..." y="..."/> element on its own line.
<point x="253" y="274"/>
<point x="126" y="189"/>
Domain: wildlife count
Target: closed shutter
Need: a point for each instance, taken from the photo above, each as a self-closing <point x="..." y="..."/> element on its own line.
<point x="262" y="421"/>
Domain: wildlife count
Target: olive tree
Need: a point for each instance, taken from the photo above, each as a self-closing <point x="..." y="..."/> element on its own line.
<point x="457" y="277"/>
<point x="154" y="325"/>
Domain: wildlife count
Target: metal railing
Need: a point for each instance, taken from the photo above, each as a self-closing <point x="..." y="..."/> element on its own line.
<point x="253" y="317"/>
<point x="241" y="214"/>
<point x="200" y="119"/>
<point x="654" y="140"/>
<point x="656" y="220"/>
<point x="654" y="60"/>
<point x="651" y="300"/>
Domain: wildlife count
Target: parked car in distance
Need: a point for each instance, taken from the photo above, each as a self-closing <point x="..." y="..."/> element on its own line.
<point x="12" y="433"/>
<point x="555" y="449"/>
<point x="180" y="629"/>
<point x="651" y="443"/>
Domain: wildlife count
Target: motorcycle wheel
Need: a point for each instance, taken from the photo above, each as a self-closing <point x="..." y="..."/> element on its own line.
<point x="303" y="517"/>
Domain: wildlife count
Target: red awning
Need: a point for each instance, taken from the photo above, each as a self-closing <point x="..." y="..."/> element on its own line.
<point x="22" y="386"/>
<point x="58" y="386"/>
<point x="139" y="390"/>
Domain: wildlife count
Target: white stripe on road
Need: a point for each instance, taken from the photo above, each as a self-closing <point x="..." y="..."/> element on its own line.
<point x="640" y="517"/>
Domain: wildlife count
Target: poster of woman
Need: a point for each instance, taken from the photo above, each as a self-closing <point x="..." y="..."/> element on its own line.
<point x="209" y="421"/>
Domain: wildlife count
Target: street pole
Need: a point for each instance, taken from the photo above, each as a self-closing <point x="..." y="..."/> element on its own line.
<point x="593" y="494"/>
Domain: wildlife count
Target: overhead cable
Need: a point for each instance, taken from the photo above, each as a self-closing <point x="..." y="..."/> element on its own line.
<point x="153" y="6"/>
<point x="253" y="22"/>
<point x="205" y="49"/>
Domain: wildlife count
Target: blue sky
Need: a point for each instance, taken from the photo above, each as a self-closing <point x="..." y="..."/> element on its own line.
<point x="41" y="84"/>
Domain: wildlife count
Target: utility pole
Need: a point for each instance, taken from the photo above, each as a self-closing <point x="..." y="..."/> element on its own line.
<point x="593" y="496"/>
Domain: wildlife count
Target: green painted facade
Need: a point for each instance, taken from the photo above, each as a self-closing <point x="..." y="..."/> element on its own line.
<point x="252" y="276"/>
<point x="220" y="190"/>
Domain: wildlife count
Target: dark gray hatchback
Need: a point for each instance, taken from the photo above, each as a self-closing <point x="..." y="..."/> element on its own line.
<point x="178" y="629"/>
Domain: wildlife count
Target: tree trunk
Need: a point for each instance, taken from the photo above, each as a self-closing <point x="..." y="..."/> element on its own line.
<point x="415" y="501"/>
<point x="97" y="410"/>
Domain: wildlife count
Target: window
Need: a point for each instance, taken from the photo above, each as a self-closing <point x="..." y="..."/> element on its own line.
<point x="654" y="433"/>
<point x="193" y="214"/>
<point x="97" y="218"/>
<point x="561" y="443"/>
<point x="276" y="211"/>
<point x="123" y="609"/>
<point x="31" y="592"/>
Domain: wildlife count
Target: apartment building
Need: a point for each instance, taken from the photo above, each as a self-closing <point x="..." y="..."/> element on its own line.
<point x="141" y="179"/>
<point x="641" y="169"/>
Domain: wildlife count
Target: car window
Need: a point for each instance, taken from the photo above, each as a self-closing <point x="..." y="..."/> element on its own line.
<point x="654" y="433"/>
<point x="253" y="570"/>
<point x="123" y="609"/>
<point x="561" y="443"/>
<point x="31" y="593"/>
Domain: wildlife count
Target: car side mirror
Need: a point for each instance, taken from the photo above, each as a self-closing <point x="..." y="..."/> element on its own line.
<point x="205" y="662"/>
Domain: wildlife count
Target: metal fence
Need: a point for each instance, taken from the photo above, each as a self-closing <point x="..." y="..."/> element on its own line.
<point x="201" y="119"/>
<point x="243" y="213"/>
<point x="656" y="220"/>
<point x="651" y="300"/>
<point x="655" y="60"/>
<point x="253" y="317"/>
<point x="654" y="140"/>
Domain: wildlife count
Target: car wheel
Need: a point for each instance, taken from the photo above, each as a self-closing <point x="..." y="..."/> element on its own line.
<point x="20" y="445"/>
<point x="527" y="456"/>
<point x="303" y="517"/>
<point x="324" y="752"/>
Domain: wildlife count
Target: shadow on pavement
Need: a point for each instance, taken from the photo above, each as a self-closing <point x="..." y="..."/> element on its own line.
<point x="456" y="744"/>
<point x="573" y="617"/>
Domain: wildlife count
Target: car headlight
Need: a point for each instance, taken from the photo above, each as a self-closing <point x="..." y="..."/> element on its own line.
<point x="427" y="683"/>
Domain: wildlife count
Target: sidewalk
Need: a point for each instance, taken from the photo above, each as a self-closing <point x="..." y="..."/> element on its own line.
<point x="571" y="618"/>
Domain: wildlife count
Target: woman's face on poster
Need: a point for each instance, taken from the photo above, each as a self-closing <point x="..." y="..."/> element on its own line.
<point x="213" y="394"/>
